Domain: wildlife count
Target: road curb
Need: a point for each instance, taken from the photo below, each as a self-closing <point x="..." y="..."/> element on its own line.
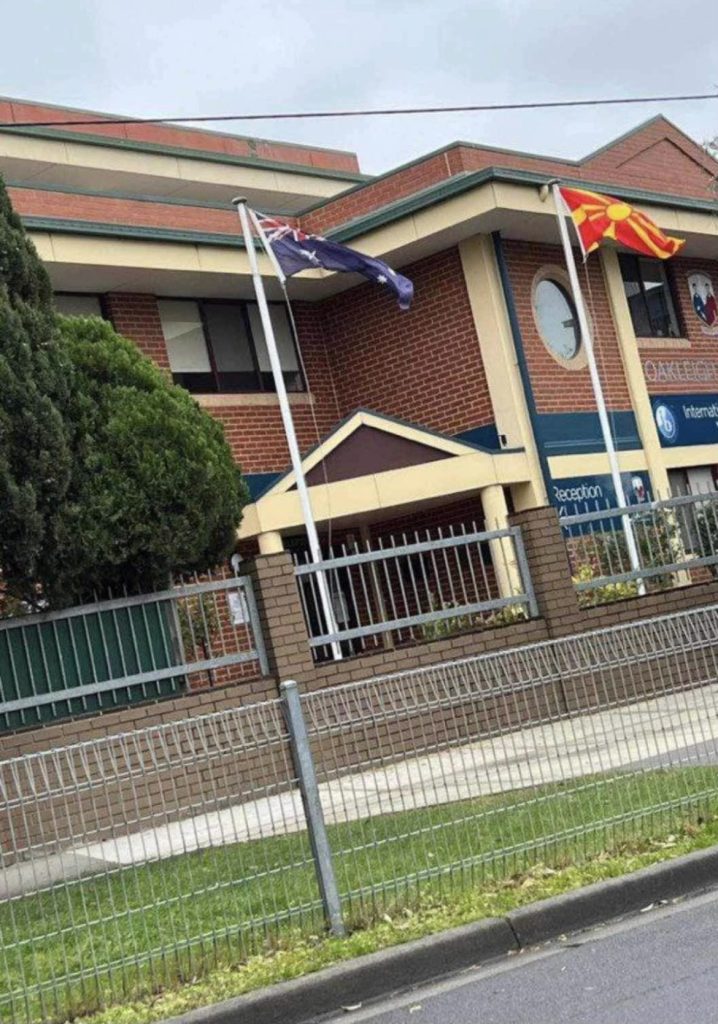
<point x="615" y="897"/>
<point x="435" y="956"/>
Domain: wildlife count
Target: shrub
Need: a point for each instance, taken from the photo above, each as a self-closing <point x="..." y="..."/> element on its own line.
<point x="154" y="489"/>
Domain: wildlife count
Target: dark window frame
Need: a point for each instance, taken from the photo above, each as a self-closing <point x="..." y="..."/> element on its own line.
<point x="637" y="276"/>
<point x="100" y="296"/>
<point x="218" y="385"/>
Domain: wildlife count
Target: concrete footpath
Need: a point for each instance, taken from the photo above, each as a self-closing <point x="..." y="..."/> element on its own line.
<point x="382" y="976"/>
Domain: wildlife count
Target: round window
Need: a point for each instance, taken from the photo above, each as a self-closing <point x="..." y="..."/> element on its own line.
<point x="556" y="318"/>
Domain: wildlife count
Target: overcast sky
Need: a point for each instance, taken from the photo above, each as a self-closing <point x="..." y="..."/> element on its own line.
<point x="148" y="57"/>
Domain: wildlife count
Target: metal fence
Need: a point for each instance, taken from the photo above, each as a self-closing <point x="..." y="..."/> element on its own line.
<point x="406" y="588"/>
<point x="133" y="862"/>
<point x="135" y="647"/>
<point x="677" y="542"/>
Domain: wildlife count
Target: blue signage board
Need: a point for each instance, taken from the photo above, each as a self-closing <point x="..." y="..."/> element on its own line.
<point x="686" y="419"/>
<point x="576" y="494"/>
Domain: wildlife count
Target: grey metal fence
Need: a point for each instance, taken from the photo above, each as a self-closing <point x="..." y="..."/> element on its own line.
<point x="134" y="647"/>
<point x="135" y="861"/>
<point x="407" y="588"/>
<point x="677" y="541"/>
<point x="132" y="861"/>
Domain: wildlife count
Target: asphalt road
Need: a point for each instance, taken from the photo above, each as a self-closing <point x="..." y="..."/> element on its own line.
<point x="659" y="967"/>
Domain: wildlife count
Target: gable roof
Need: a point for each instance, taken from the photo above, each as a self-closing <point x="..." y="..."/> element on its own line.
<point x="409" y="444"/>
<point x="679" y="166"/>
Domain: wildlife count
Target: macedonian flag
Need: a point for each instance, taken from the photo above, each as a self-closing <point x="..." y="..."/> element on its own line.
<point x="598" y="217"/>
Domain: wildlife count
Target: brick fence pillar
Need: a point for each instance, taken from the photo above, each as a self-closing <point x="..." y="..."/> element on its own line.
<point x="549" y="567"/>
<point x="281" y="616"/>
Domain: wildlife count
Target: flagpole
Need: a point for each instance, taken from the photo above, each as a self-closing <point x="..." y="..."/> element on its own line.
<point x="294" y="453"/>
<point x="596" y="382"/>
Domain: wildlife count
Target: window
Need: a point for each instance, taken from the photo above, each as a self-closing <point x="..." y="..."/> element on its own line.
<point x="556" y="319"/>
<point x="285" y="346"/>
<point x="78" y="305"/>
<point x="186" y="347"/>
<point x="216" y="346"/>
<point x="649" y="297"/>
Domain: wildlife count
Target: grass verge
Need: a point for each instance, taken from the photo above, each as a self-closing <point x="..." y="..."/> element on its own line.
<point x="159" y="939"/>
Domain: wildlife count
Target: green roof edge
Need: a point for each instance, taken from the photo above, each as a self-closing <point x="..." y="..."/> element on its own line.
<point x="428" y="197"/>
<point x="461" y="183"/>
<point x="203" y="204"/>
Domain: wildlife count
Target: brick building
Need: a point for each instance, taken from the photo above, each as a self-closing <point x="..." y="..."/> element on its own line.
<point x="475" y="402"/>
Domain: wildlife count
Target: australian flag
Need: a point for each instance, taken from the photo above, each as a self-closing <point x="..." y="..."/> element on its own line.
<point x="297" y="251"/>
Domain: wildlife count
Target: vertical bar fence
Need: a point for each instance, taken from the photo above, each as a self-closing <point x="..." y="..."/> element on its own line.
<point x="677" y="541"/>
<point x="408" y="588"/>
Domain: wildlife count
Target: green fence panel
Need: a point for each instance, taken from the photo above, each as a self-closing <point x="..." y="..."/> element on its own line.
<point x="47" y="656"/>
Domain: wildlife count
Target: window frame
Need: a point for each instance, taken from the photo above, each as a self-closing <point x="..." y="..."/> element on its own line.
<point x="558" y="276"/>
<point x="243" y="305"/>
<point x="675" y="308"/>
<point x="100" y="296"/>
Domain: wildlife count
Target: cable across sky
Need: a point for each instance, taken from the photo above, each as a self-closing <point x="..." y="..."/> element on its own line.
<point x="384" y="112"/>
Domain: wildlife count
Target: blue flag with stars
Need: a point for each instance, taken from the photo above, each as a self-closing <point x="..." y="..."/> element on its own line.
<point x="295" y="250"/>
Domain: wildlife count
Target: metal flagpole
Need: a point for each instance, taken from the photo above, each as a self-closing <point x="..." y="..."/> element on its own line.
<point x="596" y="381"/>
<point x="294" y="454"/>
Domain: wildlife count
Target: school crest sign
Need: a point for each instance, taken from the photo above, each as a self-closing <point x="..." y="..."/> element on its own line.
<point x="703" y="300"/>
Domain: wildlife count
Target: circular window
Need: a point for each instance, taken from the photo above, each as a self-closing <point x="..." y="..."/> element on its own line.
<point x="556" y="319"/>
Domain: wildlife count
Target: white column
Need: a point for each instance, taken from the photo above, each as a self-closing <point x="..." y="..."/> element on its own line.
<point x="270" y="543"/>
<point x="508" y="577"/>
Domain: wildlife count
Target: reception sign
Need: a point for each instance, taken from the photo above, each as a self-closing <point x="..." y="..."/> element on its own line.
<point x="576" y="494"/>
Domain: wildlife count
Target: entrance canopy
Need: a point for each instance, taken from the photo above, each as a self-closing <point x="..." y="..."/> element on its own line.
<point x="371" y="463"/>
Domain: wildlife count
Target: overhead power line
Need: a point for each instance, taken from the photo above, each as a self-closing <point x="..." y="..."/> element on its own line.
<point x="387" y="112"/>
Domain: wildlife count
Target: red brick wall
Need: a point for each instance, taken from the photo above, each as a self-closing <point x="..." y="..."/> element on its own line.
<point x="423" y="365"/>
<point x="453" y="160"/>
<point x="556" y="388"/>
<point x="255" y="432"/>
<point x="658" y="157"/>
<point x="386" y="189"/>
<point x="137" y="317"/>
<point x="186" y="138"/>
<point x="129" y="212"/>
<point x="702" y="347"/>
<point x="359" y="350"/>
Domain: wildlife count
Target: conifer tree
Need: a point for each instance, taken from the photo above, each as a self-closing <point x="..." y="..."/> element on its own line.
<point x="34" y="449"/>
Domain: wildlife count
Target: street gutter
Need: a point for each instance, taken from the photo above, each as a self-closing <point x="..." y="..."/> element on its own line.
<point x="400" y="968"/>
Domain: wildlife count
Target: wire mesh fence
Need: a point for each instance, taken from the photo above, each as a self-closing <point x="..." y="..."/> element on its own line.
<point x="676" y="541"/>
<point x="128" y="648"/>
<point x="136" y="861"/>
<point x="464" y="774"/>
<point x="422" y="585"/>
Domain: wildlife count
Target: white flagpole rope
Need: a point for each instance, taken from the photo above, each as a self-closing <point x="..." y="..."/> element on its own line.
<point x="561" y="212"/>
<point x="290" y="433"/>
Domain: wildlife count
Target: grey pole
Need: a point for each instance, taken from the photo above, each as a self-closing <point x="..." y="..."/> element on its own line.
<point x="306" y="776"/>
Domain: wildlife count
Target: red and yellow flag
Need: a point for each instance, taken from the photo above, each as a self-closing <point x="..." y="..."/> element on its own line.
<point x="598" y="217"/>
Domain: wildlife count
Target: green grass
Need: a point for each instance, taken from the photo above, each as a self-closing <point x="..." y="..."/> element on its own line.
<point x="179" y="932"/>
